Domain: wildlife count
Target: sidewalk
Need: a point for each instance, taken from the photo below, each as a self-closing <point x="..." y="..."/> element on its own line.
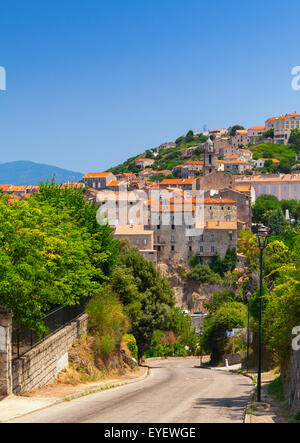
<point x="268" y="410"/>
<point x="15" y="406"/>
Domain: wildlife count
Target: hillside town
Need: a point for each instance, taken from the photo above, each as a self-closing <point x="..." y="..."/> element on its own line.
<point x="187" y="213"/>
<point x="225" y="182"/>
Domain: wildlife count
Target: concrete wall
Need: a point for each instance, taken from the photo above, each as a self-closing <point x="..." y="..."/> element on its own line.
<point x="41" y="365"/>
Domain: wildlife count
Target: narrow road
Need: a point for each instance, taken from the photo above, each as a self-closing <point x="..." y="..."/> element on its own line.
<point x="177" y="391"/>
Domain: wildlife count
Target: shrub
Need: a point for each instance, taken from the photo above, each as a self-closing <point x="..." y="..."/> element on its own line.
<point x="107" y="321"/>
<point x="131" y="344"/>
<point x="203" y="274"/>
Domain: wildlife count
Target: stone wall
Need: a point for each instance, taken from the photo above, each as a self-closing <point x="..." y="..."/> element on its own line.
<point x="291" y="382"/>
<point x="41" y="365"/>
<point x="5" y="351"/>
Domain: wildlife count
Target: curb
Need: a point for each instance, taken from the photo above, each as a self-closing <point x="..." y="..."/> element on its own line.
<point x="105" y="387"/>
<point x="81" y="394"/>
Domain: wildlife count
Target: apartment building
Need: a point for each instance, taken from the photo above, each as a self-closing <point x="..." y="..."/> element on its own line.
<point x="283" y="186"/>
<point x="283" y="125"/>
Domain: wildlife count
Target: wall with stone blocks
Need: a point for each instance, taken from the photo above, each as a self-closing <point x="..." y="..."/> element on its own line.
<point x="41" y="365"/>
<point x="292" y="382"/>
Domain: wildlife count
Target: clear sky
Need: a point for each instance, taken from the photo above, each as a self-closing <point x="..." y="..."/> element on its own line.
<point x="93" y="82"/>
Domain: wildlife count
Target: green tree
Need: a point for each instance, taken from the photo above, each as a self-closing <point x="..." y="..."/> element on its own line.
<point x="269" y="133"/>
<point x="263" y="204"/>
<point x="189" y="137"/>
<point x="230" y="315"/>
<point x="203" y="274"/>
<point x="277" y="222"/>
<point x="294" y="139"/>
<point x="104" y="249"/>
<point x="146" y="295"/>
<point x="234" y="129"/>
<point x="45" y="260"/>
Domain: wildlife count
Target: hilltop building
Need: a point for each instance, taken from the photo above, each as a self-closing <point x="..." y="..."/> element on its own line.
<point x="283" y="125"/>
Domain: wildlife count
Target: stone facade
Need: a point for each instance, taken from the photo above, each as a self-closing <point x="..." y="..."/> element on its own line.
<point x="243" y="199"/>
<point x="216" y="180"/>
<point x="40" y="366"/>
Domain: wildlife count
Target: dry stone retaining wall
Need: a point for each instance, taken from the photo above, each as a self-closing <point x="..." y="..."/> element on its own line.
<point x="41" y="365"/>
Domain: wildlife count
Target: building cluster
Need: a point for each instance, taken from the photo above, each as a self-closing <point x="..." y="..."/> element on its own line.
<point x="175" y="219"/>
<point x="199" y="212"/>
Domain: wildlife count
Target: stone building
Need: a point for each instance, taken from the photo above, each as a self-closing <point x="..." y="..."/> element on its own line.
<point x="140" y="238"/>
<point x="98" y="180"/>
<point x="241" y="138"/>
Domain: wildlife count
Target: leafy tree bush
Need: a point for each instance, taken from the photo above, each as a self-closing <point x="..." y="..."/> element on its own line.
<point x="228" y="263"/>
<point x="203" y="274"/>
<point x="45" y="260"/>
<point x="214" y="340"/>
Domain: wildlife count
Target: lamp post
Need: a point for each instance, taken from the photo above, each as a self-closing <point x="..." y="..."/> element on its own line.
<point x="248" y="296"/>
<point x="262" y="241"/>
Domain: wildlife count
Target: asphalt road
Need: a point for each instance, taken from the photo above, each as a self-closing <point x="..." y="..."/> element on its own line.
<point x="175" y="392"/>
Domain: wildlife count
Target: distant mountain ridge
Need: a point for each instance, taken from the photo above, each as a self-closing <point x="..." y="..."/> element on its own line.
<point x="25" y="173"/>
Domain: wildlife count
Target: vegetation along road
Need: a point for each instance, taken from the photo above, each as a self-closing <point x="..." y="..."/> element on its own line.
<point x="176" y="391"/>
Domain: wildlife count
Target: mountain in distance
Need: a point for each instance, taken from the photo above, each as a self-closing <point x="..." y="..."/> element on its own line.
<point x="24" y="173"/>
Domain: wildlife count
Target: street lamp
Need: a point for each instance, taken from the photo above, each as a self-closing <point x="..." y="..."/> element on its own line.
<point x="248" y="296"/>
<point x="262" y="241"/>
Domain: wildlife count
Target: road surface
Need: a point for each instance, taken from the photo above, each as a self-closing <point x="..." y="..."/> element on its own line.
<point x="177" y="391"/>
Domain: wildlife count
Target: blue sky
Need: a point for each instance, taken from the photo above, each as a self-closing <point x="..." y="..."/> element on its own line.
<point x="91" y="83"/>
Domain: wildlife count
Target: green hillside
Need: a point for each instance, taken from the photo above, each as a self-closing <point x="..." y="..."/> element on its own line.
<point x="168" y="158"/>
<point x="271" y="150"/>
<point x="285" y="154"/>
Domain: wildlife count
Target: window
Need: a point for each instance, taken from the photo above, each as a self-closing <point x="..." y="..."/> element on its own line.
<point x="201" y="249"/>
<point x="158" y="227"/>
<point x="172" y="248"/>
<point x="190" y="248"/>
<point x="212" y="249"/>
<point x="158" y="239"/>
<point x="230" y="237"/>
<point x="211" y="215"/>
<point x="172" y="239"/>
<point x="173" y="227"/>
<point x="137" y="242"/>
<point x="201" y="237"/>
<point x="228" y="217"/>
<point x="212" y="237"/>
